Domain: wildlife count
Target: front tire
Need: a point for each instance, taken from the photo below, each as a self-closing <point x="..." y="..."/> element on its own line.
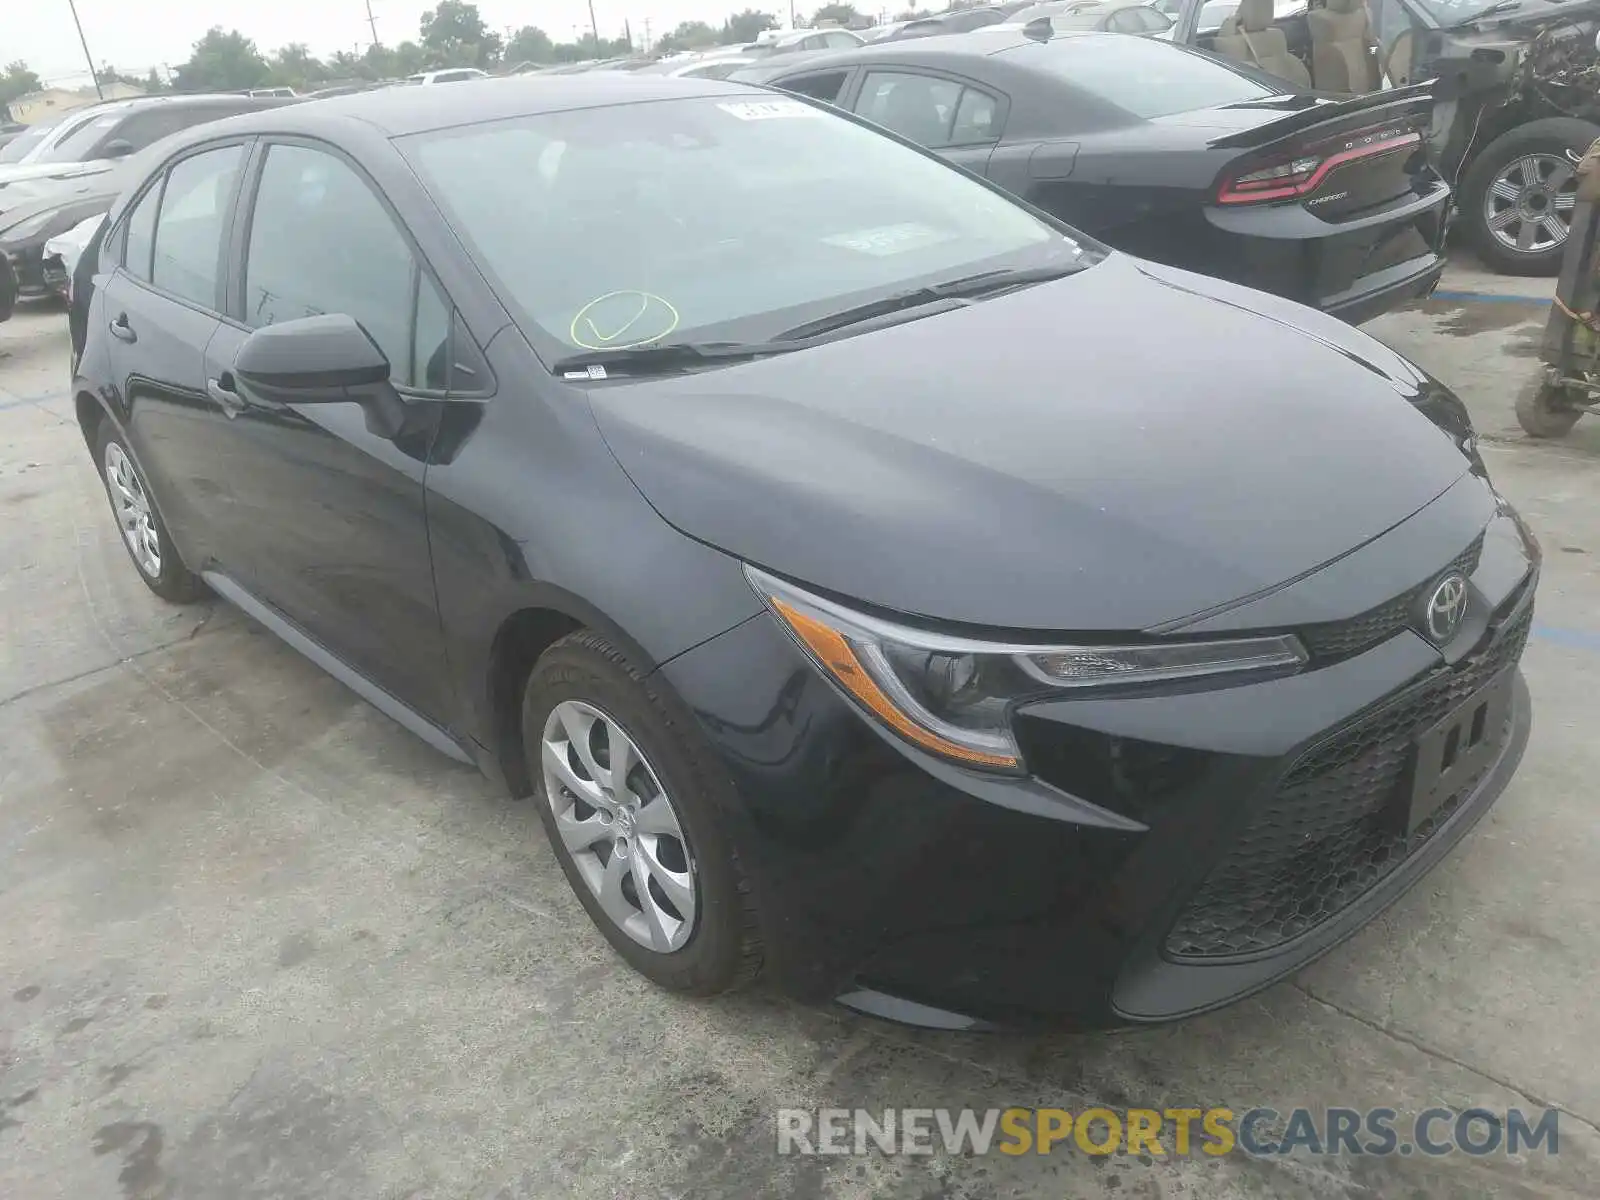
<point x="1541" y="413"/>
<point x="1518" y="195"/>
<point x="629" y="796"/>
<point x="144" y="535"/>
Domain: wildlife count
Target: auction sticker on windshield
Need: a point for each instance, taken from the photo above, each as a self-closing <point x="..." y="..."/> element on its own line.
<point x="890" y="239"/>
<point x="769" y="110"/>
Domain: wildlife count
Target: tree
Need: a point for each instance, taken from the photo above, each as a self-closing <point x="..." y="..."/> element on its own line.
<point x="454" y="35"/>
<point x="690" y="35"/>
<point x="109" y="74"/>
<point x="18" y="80"/>
<point x="342" y="64"/>
<point x="742" y="27"/>
<point x="222" y="62"/>
<point x="530" y="44"/>
<point x="153" y="83"/>
<point x="839" y="14"/>
<point x="912" y="14"/>
<point x="293" y="66"/>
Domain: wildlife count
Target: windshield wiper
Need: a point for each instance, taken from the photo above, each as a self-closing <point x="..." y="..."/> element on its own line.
<point x="967" y="287"/>
<point x="1499" y="6"/>
<point x="662" y="356"/>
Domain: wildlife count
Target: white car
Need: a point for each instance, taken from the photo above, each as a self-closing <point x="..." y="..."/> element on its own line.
<point x="449" y="75"/>
<point x="62" y="252"/>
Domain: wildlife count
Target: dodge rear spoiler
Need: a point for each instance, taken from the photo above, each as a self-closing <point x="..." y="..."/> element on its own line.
<point x="1415" y="98"/>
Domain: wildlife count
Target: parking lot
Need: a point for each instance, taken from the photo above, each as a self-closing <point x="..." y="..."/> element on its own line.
<point x="258" y="941"/>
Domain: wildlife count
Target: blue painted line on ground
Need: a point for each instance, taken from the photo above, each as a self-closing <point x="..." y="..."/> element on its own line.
<point x="1578" y="639"/>
<point x="1488" y="298"/>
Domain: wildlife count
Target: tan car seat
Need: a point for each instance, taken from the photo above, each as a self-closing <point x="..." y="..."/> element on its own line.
<point x="1343" y="55"/>
<point x="1398" y="65"/>
<point x="1269" y="45"/>
<point x="1229" y="43"/>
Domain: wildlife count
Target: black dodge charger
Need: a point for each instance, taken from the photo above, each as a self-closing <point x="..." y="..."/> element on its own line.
<point x="877" y="586"/>
<point x="1167" y="152"/>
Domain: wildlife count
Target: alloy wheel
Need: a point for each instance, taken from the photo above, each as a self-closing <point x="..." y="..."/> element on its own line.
<point x="133" y="512"/>
<point x="1528" y="207"/>
<point x="620" y="826"/>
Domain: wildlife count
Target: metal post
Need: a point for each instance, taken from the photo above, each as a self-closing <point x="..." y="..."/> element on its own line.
<point x="84" y="42"/>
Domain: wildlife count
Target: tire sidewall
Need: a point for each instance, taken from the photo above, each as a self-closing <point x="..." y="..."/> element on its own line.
<point x="175" y="582"/>
<point x="574" y="669"/>
<point x="1549" y="135"/>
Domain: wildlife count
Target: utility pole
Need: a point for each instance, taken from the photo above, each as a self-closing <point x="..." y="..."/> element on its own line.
<point x="84" y="42"/>
<point x="594" y="27"/>
<point x="791" y="15"/>
<point x="372" y="23"/>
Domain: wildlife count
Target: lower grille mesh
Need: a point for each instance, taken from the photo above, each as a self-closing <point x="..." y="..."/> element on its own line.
<point x="1325" y="836"/>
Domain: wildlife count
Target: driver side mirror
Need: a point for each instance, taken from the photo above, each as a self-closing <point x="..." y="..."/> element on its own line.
<point x="118" y="148"/>
<point x="321" y="360"/>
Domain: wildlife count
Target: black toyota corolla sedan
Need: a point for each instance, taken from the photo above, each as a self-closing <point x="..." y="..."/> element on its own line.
<point x="876" y="586"/>
<point x="1167" y="152"/>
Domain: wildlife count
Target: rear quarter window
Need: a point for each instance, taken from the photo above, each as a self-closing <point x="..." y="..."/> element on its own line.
<point x="1143" y="77"/>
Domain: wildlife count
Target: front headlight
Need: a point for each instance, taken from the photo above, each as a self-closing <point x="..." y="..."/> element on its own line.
<point x="953" y="696"/>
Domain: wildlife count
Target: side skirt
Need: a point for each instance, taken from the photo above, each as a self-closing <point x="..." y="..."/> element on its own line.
<point x="390" y="706"/>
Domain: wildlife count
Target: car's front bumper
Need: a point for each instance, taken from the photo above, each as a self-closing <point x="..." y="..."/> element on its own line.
<point x="1088" y="893"/>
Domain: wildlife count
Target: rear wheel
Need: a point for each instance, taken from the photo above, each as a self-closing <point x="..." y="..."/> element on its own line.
<point x="1518" y="195"/>
<point x="1543" y="412"/>
<point x="630" y="798"/>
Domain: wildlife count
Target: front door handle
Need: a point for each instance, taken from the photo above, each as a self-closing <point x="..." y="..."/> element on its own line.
<point x="222" y="391"/>
<point x="121" y="330"/>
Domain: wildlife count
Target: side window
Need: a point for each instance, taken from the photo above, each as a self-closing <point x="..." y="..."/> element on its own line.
<point x="147" y="128"/>
<point x="1153" y="19"/>
<point x="824" y="87"/>
<point x="839" y="41"/>
<point x="918" y="107"/>
<point x="977" y="119"/>
<point x="188" y="237"/>
<point x="321" y="242"/>
<point x="141" y="234"/>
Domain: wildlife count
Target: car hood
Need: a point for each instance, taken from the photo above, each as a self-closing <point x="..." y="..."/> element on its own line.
<point x="1118" y="449"/>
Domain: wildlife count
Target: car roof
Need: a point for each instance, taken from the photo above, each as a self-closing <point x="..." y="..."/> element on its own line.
<point x="398" y="111"/>
<point x="944" y="47"/>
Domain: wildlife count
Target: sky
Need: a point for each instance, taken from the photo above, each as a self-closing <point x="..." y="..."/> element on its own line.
<point x="134" y="35"/>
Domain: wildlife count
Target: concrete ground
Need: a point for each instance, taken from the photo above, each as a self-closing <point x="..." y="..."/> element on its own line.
<point x="256" y="941"/>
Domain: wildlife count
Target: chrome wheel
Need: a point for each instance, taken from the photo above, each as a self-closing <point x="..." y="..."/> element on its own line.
<point x="1528" y="207"/>
<point x="132" y="507"/>
<point x="619" y="825"/>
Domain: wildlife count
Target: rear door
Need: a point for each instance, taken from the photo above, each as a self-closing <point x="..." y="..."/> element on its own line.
<point x="162" y="304"/>
<point x="959" y="119"/>
<point x="338" y="539"/>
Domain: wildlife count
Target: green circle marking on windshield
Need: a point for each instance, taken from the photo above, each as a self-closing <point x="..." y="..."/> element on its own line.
<point x="623" y="320"/>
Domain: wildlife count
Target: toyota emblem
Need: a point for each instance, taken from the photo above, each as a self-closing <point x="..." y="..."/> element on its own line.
<point x="1447" y="604"/>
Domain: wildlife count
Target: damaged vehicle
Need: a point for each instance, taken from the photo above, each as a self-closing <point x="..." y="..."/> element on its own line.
<point x="1514" y="83"/>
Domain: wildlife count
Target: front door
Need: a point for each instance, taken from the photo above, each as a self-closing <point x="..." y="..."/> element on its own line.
<point x="161" y="304"/>
<point x="338" y="538"/>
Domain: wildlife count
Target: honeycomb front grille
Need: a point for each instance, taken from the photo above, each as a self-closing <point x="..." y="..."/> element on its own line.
<point x="1326" y="836"/>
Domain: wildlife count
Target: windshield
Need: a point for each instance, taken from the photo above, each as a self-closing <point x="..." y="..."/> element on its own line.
<point x="24" y="144"/>
<point x="80" y="143"/>
<point x="1145" y="78"/>
<point x="712" y="218"/>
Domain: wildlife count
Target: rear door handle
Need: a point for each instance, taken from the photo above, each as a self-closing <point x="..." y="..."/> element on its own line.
<point x="121" y="330"/>
<point x="222" y="391"/>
